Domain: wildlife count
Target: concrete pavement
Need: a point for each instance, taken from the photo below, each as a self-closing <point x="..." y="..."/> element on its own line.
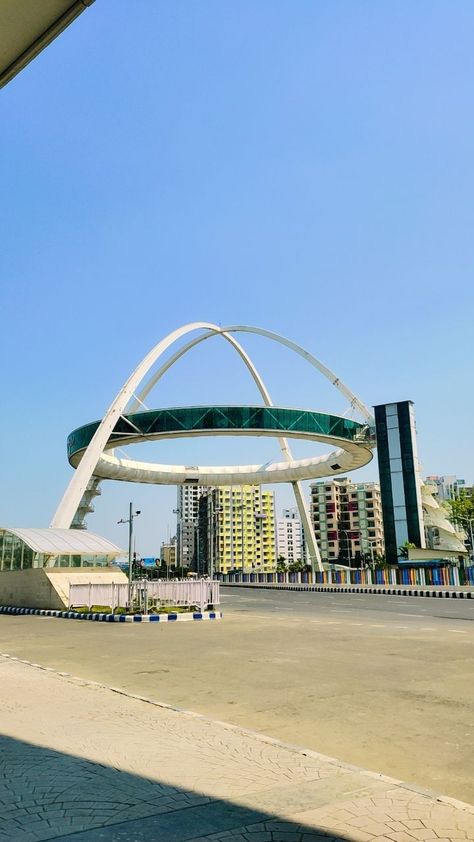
<point x="381" y="682"/>
<point x="84" y="762"/>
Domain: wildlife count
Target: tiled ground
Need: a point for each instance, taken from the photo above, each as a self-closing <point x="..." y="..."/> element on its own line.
<point x="78" y="758"/>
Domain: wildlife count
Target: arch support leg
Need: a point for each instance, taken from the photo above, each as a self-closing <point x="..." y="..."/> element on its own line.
<point x="314" y="554"/>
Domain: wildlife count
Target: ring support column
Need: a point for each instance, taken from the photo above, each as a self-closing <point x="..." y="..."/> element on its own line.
<point x="312" y="544"/>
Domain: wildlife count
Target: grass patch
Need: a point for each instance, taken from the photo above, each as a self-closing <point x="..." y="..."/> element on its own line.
<point x="105" y="609"/>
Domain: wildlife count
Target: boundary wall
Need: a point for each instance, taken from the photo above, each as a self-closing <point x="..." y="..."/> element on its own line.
<point x="48" y="587"/>
<point x="446" y="576"/>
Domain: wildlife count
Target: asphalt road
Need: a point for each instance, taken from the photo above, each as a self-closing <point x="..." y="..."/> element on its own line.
<point x="373" y="606"/>
<point x="383" y="682"/>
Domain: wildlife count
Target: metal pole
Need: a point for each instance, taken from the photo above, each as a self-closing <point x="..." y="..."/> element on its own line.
<point x="130" y="538"/>
<point x="469" y="522"/>
<point x="231" y="511"/>
<point x="344" y="532"/>
<point x="211" y="537"/>
<point x="198" y="550"/>
<point x="242" y="527"/>
<point x="217" y="556"/>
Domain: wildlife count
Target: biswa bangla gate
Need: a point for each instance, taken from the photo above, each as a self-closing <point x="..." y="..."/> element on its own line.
<point x="91" y="447"/>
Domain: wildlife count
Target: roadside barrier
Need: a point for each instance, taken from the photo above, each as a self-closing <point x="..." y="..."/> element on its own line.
<point x="446" y="576"/>
<point x="147" y="593"/>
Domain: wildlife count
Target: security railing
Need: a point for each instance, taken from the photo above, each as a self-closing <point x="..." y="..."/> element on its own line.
<point x="146" y="595"/>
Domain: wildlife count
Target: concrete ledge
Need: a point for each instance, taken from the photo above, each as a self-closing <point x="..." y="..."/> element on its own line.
<point x="391" y="590"/>
<point x="48" y="587"/>
<point x="112" y="618"/>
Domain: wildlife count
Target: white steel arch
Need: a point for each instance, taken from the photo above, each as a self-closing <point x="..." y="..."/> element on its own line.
<point x="348" y="394"/>
<point x="314" y="554"/>
<point x="72" y="497"/>
<point x="85" y="470"/>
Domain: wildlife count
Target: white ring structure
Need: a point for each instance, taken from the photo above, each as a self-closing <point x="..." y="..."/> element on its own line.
<point x="95" y="462"/>
<point x="347" y="457"/>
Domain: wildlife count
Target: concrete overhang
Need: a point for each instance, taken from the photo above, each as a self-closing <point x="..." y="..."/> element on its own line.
<point x="425" y="554"/>
<point x="28" y="26"/>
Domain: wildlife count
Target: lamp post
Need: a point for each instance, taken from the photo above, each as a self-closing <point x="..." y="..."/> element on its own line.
<point x="348" y="544"/>
<point x="180" y="538"/>
<point x="196" y="545"/>
<point x="259" y="518"/>
<point x="240" y="507"/>
<point x="130" y="520"/>
<point x="371" y="550"/>
<point x="213" y="513"/>
<point x="469" y="521"/>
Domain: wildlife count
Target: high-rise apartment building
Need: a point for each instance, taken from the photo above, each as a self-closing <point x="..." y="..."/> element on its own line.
<point x="447" y="488"/>
<point x="187" y="512"/>
<point x="289" y="536"/>
<point x="237" y="530"/>
<point x="347" y="520"/>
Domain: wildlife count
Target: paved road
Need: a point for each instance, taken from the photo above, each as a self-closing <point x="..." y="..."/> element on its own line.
<point x="373" y="606"/>
<point x="381" y="682"/>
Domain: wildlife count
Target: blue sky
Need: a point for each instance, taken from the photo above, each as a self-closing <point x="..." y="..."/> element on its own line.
<point x="304" y="166"/>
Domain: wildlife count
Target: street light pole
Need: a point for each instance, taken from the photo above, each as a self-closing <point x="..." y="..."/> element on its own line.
<point x="348" y="545"/>
<point x="371" y="549"/>
<point x="129" y="520"/>
<point x="211" y="536"/>
<point x="240" y="508"/>
<point x="180" y="538"/>
<point x="130" y="542"/>
<point x="469" y="522"/>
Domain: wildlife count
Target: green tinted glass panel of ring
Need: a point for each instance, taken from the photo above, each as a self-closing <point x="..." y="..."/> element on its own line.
<point x="156" y="422"/>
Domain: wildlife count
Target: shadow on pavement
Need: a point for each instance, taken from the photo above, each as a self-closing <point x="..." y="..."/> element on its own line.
<point x="45" y="794"/>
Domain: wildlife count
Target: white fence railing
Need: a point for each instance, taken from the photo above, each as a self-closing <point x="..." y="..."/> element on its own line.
<point x="146" y="594"/>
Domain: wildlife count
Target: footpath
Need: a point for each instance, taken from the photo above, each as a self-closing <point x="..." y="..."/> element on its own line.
<point x="86" y="763"/>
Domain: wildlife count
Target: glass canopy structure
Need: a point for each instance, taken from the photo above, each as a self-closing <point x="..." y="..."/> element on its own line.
<point x="23" y="549"/>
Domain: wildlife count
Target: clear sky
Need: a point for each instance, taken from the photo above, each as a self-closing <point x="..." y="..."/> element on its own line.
<point x="301" y="165"/>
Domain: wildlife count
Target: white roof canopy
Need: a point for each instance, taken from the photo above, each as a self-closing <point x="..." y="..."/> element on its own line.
<point x="28" y="26"/>
<point x="65" y="541"/>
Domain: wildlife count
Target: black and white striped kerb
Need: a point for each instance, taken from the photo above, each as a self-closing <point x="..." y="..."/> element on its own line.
<point x="390" y="591"/>
<point x="112" y="618"/>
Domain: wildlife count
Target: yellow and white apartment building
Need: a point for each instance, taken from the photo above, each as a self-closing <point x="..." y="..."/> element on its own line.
<point x="237" y="529"/>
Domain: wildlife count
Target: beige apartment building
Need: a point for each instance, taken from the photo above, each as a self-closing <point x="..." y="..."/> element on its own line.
<point x="347" y="520"/>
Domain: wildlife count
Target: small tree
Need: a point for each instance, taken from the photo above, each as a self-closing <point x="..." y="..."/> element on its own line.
<point x="462" y="508"/>
<point x="281" y="564"/>
<point x="403" y="550"/>
<point x="298" y="566"/>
